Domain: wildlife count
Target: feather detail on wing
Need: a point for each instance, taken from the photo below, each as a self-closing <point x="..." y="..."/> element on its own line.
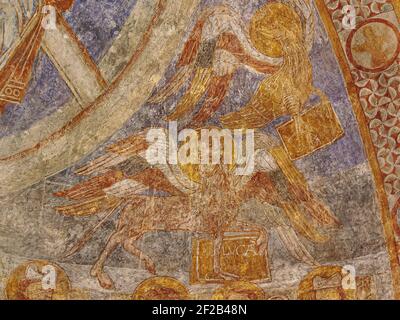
<point x="156" y="179"/>
<point x="192" y="96"/>
<point x="88" y="207"/>
<point x="303" y="213"/>
<point x="181" y="77"/>
<point x="292" y="174"/>
<point x="300" y="189"/>
<point x="91" y="188"/>
<point x="132" y="145"/>
<point x="306" y="11"/>
<point x="185" y="66"/>
<point x="117" y="153"/>
<point x="215" y="95"/>
<point x="126" y="188"/>
<point x="321" y="213"/>
<point x="101" y="165"/>
<point x="289" y="224"/>
<point x="102" y="193"/>
<point x="293" y="244"/>
<point x="192" y="45"/>
<point x="302" y="225"/>
<point x="150" y="179"/>
<point x="264" y="190"/>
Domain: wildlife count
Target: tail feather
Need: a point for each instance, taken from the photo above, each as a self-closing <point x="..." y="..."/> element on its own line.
<point x="92" y="188"/>
<point x="174" y="85"/>
<point x="88" y="207"/>
<point x="321" y="213"/>
<point x="193" y="95"/>
<point x="301" y="225"/>
<point x="116" y="154"/>
<point x="215" y="96"/>
<point x="101" y="164"/>
<point x="299" y="189"/>
<point x="131" y="145"/>
<point x="294" y="246"/>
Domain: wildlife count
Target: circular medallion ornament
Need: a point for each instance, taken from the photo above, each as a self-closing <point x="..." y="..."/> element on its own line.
<point x="161" y="288"/>
<point x="38" y="280"/>
<point x="239" y="290"/>
<point x="325" y="283"/>
<point x="374" y="45"/>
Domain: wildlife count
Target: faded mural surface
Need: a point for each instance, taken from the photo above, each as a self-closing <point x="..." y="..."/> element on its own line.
<point x="200" y="149"/>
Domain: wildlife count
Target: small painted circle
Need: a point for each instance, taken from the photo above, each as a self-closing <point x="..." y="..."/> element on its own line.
<point x="38" y="280"/>
<point x="374" y="45"/>
<point x="16" y="93"/>
<point x="8" y="91"/>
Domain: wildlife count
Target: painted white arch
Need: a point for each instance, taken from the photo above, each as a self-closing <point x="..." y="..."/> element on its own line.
<point x="107" y="113"/>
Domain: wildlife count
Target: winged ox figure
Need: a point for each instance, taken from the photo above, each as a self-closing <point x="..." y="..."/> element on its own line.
<point x="208" y="198"/>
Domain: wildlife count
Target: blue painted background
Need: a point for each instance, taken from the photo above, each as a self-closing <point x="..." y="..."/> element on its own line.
<point x="96" y="23"/>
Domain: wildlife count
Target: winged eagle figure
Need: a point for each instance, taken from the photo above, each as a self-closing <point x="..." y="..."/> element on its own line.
<point x="276" y="45"/>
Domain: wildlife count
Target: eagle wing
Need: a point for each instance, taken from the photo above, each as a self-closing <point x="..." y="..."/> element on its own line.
<point x="208" y="76"/>
<point x="280" y="184"/>
<point x="185" y="67"/>
<point x="112" y="182"/>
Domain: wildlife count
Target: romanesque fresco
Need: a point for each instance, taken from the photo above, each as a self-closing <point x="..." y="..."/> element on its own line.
<point x="199" y="149"/>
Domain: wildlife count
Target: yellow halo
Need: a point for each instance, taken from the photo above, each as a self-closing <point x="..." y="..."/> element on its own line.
<point x="270" y="22"/>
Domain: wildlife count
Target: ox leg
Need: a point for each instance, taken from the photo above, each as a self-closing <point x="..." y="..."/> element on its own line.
<point x="129" y="246"/>
<point x="98" y="269"/>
